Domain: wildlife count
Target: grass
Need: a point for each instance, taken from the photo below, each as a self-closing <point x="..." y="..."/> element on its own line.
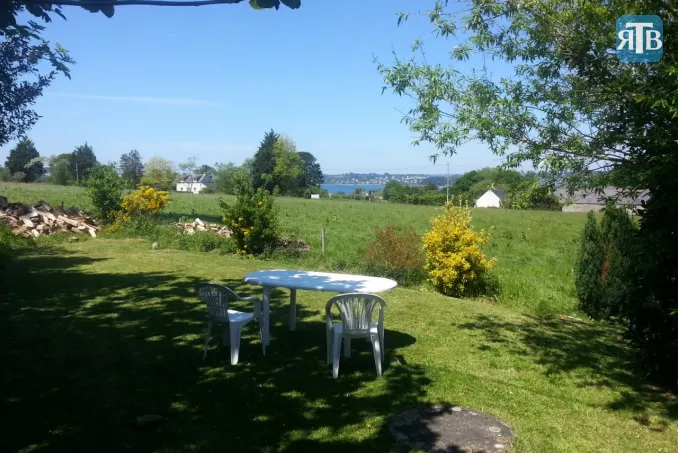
<point x="536" y="249"/>
<point x="97" y="333"/>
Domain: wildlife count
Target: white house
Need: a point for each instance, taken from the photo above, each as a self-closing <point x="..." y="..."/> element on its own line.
<point x="194" y="183"/>
<point x="491" y="199"/>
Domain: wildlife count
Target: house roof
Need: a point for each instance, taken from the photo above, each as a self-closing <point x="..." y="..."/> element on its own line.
<point x="591" y="197"/>
<point x="498" y="192"/>
<point x="200" y="178"/>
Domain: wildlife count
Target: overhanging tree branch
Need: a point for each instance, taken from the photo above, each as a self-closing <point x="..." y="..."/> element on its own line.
<point x="100" y="3"/>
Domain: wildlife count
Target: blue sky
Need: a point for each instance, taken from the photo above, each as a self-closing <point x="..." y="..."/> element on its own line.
<point x="209" y="81"/>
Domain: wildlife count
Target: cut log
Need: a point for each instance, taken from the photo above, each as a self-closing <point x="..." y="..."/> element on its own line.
<point x="20" y="230"/>
<point x="35" y="233"/>
<point x="92" y="232"/>
<point x="71" y="222"/>
<point x="27" y="221"/>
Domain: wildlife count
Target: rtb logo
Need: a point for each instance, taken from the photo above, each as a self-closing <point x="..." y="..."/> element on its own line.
<point x="640" y="38"/>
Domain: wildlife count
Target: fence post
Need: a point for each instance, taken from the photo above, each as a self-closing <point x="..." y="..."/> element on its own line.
<point x="322" y="239"/>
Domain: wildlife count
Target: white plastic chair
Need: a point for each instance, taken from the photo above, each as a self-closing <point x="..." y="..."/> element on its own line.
<point x="355" y="311"/>
<point x="216" y="298"/>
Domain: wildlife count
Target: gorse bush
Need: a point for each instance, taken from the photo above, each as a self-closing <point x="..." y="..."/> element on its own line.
<point x="105" y="188"/>
<point x="455" y="263"/>
<point x="146" y="201"/>
<point x="253" y="218"/>
<point x="605" y="266"/>
<point x="396" y="256"/>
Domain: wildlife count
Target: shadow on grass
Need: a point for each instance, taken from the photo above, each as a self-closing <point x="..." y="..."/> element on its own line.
<point x="85" y="353"/>
<point x="569" y="345"/>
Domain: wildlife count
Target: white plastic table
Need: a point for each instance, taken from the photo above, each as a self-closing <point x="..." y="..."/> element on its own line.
<point x="313" y="281"/>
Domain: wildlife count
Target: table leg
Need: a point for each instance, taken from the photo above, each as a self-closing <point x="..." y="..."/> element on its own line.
<point x="266" y="308"/>
<point x="293" y="309"/>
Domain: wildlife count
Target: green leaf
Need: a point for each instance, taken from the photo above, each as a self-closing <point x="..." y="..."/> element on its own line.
<point x="265" y="4"/>
<point x="294" y="4"/>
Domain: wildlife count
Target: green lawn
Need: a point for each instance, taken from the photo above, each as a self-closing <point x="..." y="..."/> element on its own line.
<point x="99" y="332"/>
<point x="536" y="249"/>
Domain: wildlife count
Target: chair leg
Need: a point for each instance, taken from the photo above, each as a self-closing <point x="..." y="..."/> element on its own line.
<point x="207" y="338"/>
<point x="336" y="352"/>
<point x="226" y="334"/>
<point x="329" y="333"/>
<point x="261" y="335"/>
<point x="377" y="352"/>
<point x="236" y="331"/>
<point x="347" y="347"/>
<point x="382" y="345"/>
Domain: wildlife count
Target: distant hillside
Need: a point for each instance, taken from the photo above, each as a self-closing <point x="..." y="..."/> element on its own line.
<point x="383" y="178"/>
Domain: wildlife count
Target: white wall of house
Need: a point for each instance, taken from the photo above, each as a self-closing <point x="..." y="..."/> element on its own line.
<point x="315" y="196"/>
<point x="195" y="187"/>
<point x="488" y="200"/>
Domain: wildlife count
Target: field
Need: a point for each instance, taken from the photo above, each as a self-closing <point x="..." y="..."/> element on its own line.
<point x="97" y="333"/>
<point x="536" y="250"/>
<point x="100" y="331"/>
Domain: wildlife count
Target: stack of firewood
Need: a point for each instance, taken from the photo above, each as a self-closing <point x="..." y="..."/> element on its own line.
<point x="199" y="225"/>
<point x="41" y="219"/>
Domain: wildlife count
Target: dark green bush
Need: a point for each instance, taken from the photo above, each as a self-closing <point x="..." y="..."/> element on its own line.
<point x="605" y="267"/>
<point x="105" y="189"/>
<point x="253" y="218"/>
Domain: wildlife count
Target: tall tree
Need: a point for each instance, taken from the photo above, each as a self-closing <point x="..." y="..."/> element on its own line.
<point x="23" y="160"/>
<point x="188" y="169"/>
<point x="312" y="174"/>
<point x="28" y="65"/>
<point x="82" y="161"/>
<point x="288" y="169"/>
<point x="571" y="107"/>
<point x="206" y="169"/>
<point x="132" y="167"/>
<point x="263" y="162"/>
<point x="60" y="169"/>
<point x="159" y="173"/>
<point x="225" y="177"/>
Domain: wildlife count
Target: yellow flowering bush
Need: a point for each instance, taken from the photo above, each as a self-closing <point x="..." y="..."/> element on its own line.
<point x="252" y="218"/>
<point x="146" y="201"/>
<point x="455" y="262"/>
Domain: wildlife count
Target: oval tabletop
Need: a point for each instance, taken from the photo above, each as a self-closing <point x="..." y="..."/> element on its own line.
<point x="320" y="281"/>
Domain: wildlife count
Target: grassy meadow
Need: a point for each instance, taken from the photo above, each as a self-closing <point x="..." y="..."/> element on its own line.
<point x="536" y="249"/>
<point x="96" y="333"/>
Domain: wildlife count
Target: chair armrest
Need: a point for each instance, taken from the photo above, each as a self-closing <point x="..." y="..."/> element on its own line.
<point x="250" y="299"/>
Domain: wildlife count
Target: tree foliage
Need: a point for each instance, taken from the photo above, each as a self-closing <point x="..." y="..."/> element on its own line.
<point x="312" y="175"/>
<point x="23" y="161"/>
<point x="82" y="161"/>
<point x="132" y="167"/>
<point x="159" y="173"/>
<point x="572" y="108"/>
<point x="105" y="188"/>
<point x="60" y="169"/>
<point x="225" y="177"/>
<point x="28" y="65"/>
<point x="9" y="11"/>
<point x="289" y="167"/>
<point x="263" y="163"/>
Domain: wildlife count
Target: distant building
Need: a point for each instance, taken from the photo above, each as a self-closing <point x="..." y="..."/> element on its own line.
<point x="491" y="199"/>
<point x="194" y="183"/>
<point x="315" y="196"/>
<point x="585" y="201"/>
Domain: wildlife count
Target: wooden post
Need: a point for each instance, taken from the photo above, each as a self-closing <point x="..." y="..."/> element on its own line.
<point x="322" y="238"/>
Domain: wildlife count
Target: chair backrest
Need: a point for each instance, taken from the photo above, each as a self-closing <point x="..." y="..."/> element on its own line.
<point x="216" y="298"/>
<point x="356" y="312"/>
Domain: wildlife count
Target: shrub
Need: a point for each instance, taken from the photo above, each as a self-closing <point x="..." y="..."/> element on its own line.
<point x="105" y="188"/>
<point x="146" y="201"/>
<point x="605" y="266"/>
<point x="455" y="263"/>
<point x="253" y="218"/>
<point x="396" y="256"/>
<point x="207" y="190"/>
